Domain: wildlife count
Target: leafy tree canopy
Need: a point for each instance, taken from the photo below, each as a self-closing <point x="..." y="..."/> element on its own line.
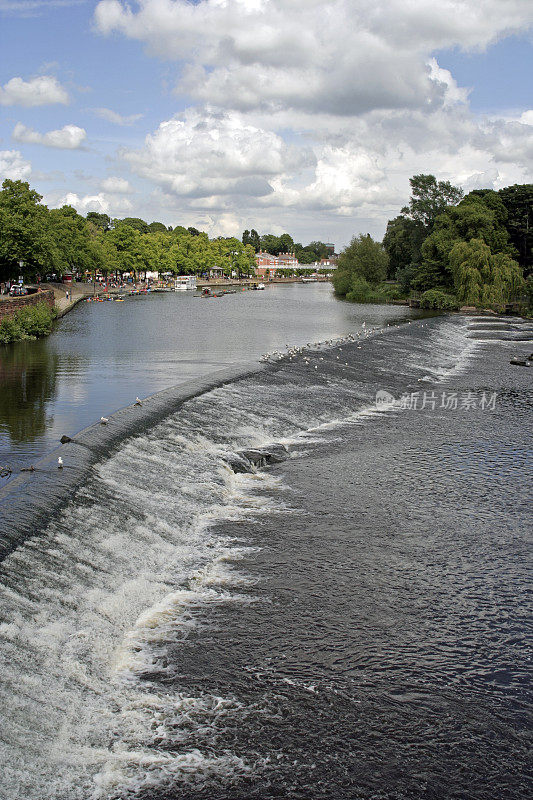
<point x="364" y="261"/>
<point x="429" y="198"/>
<point x="102" y="221"/>
<point x="518" y="202"/>
<point x="136" y="223"/>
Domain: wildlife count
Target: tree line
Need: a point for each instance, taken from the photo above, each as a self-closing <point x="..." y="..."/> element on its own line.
<point x="36" y="241"/>
<point x="269" y="243"/>
<point x="454" y="250"/>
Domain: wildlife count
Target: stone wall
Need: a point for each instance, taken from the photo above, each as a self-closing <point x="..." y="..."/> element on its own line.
<point x="8" y="305"/>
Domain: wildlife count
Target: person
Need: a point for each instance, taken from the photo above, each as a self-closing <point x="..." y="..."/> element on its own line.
<point x="67" y="294"/>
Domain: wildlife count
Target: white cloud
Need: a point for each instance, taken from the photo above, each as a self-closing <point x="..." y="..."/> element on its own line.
<point x="94" y="202"/>
<point x="527" y="118"/>
<point x="115" y="185"/>
<point x="116" y="118"/>
<point x="345" y="57"/>
<point x="70" y="137"/>
<point x="203" y="154"/>
<point x="40" y="91"/>
<point x="14" y="166"/>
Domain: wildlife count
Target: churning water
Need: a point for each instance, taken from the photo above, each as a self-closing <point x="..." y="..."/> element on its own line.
<point x="349" y="622"/>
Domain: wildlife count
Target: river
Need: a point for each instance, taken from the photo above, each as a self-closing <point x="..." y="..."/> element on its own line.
<point x="102" y="356"/>
<point x="285" y="589"/>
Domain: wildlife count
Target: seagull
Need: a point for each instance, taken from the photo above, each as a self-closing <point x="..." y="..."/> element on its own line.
<point x="104" y="420"/>
<point x="138" y="401"/>
<point x="60" y="463"/>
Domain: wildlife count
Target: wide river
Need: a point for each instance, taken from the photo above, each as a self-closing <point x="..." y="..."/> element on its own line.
<point x="284" y="589"/>
<point x="103" y="355"/>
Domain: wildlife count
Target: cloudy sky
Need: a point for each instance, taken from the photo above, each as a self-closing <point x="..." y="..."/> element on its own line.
<point x="282" y="115"/>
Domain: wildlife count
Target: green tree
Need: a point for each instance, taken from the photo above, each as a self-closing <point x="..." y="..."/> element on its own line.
<point x="127" y="242"/>
<point x="363" y="260"/>
<point x="403" y="241"/>
<point x="286" y="243"/>
<point x="518" y="202"/>
<point x="270" y="244"/>
<point x="157" y="227"/>
<point x="255" y="240"/>
<point x="478" y="216"/>
<point x="136" y="223"/>
<point x="429" y="198"/>
<point x="24" y="232"/>
<point x="102" y="221"/>
<point x="481" y="278"/>
<point x="74" y="247"/>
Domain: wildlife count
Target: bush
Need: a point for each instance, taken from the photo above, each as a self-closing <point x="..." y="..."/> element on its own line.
<point x="27" y="323"/>
<point x="436" y="299"/>
<point x="360" y="292"/>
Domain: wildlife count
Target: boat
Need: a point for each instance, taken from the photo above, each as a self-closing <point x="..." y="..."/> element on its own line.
<point x="309" y="280"/>
<point x="184" y="282"/>
<point x="119" y="299"/>
<point x="260" y="286"/>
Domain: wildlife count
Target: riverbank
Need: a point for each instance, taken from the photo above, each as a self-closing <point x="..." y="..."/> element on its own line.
<point x="27" y="321"/>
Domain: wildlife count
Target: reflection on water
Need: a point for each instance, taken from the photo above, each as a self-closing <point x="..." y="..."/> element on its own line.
<point x="102" y="355"/>
<point x="28" y="377"/>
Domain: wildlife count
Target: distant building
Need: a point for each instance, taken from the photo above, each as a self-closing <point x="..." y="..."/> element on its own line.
<point x="330" y="248"/>
<point x="267" y="265"/>
<point x="288" y="261"/>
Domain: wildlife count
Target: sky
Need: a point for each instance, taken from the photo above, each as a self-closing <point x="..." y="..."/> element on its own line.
<point x="291" y="116"/>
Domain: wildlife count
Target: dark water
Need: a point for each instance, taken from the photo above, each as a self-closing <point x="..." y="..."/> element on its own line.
<point x="103" y="355"/>
<point x="349" y="623"/>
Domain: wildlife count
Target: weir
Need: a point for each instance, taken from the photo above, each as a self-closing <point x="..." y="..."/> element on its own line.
<point x="30" y="500"/>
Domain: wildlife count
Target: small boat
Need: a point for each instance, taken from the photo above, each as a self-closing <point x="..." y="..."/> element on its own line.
<point x="119" y="299"/>
<point x="260" y="286"/>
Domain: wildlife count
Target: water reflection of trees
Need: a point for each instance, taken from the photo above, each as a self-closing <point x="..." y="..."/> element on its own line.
<point x="28" y="377"/>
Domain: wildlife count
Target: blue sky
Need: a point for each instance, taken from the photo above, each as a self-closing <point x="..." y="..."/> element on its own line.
<point x="226" y="114"/>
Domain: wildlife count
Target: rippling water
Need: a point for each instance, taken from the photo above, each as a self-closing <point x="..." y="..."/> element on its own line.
<point x="349" y="623"/>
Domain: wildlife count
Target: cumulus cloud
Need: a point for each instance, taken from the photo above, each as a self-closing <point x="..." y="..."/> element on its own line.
<point x="14" y="166"/>
<point x="95" y="202"/>
<point x="70" y="137"/>
<point x="201" y="154"/>
<point x="345" y="57"/>
<point x="116" y="118"/>
<point x="115" y="185"/>
<point x="41" y="91"/>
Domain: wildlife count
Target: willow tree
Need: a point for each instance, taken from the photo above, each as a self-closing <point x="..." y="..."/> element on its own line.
<point x="482" y="278"/>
